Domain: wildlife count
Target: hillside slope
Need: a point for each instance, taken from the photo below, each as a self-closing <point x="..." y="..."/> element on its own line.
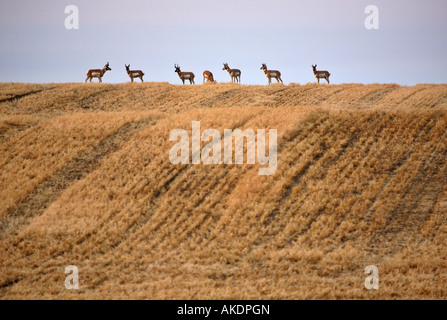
<point x="86" y="180"/>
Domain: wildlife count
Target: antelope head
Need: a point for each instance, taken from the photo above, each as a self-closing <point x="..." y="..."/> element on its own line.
<point x="225" y="66"/>
<point x="107" y="67"/>
<point x="264" y="67"/>
<point x="177" y="68"/>
<point x="127" y="67"/>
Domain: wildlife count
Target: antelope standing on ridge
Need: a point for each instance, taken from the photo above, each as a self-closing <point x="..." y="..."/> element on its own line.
<point x="134" y="73"/>
<point x="184" y="75"/>
<point x="97" y="73"/>
<point x="320" y="74"/>
<point x="208" y="76"/>
<point x="271" y="74"/>
<point x="234" y="73"/>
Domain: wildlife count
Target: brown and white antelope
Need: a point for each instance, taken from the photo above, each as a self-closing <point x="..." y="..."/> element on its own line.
<point x="320" y="74"/>
<point x="234" y="73"/>
<point x="97" y="73"/>
<point x="134" y="73"/>
<point x="271" y="74"/>
<point x="184" y="75"/>
<point x="208" y="76"/>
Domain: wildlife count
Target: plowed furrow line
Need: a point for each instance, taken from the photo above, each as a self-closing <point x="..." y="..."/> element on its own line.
<point x="23" y="95"/>
<point x="363" y="153"/>
<point x="312" y="96"/>
<point x="184" y="227"/>
<point x="397" y="219"/>
<point x="221" y="98"/>
<point x="95" y="95"/>
<point x="36" y="202"/>
<point x="330" y="95"/>
<point x="197" y="203"/>
<point x="316" y="156"/>
<point x="374" y="97"/>
<point x="294" y="98"/>
<point x="442" y="103"/>
<point x="159" y="218"/>
<point x="95" y="240"/>
<point x="327" y="163"/>
<point x="12" y="131"/>
<point x="286" y="146"/>
<point x="288" y="210"/>
<point x="396" y="165"/>
<point x="424" y="195"/>
<point x="412" y="195"/>
<point x="409" y="96"/>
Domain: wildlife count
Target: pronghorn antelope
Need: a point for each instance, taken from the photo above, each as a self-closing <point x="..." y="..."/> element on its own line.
<point x="97" y="73"/>
<point x="208" y="76"/>
<point x="134" y="73"/>
<point x="184" y="75"/>
<point x="320" y="74"/>
<point x="234" y="73"/>
<point x="271" y="74"/>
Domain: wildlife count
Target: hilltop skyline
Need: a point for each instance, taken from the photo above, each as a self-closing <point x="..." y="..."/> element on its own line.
<point x="409" y="47"/>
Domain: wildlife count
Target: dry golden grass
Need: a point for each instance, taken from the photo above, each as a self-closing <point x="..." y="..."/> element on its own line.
<point x="86" y="180"/>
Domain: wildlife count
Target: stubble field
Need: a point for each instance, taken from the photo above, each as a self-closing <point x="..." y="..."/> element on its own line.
<point x="86" y="180"/>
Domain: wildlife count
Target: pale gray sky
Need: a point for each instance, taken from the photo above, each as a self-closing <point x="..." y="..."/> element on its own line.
<point x="410" y="46"/>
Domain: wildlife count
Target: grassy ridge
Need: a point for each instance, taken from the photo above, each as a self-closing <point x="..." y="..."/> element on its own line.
<point x="86" y="180"/>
